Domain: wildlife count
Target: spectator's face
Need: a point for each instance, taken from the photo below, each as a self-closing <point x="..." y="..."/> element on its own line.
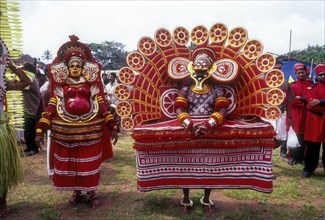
<point x="111" y="78"/>
<point x="321" y="77"/>
<point x="301" y="74"/>
<point x="75" y="69"/>
<point x="105" y="79"/>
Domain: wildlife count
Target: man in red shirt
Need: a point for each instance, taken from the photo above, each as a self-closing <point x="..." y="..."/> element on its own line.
<point x="315" y="120"/>
<point x="298" y="111"/>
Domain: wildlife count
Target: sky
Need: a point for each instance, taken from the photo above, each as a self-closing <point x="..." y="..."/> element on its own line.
<point x="47" y="24"/>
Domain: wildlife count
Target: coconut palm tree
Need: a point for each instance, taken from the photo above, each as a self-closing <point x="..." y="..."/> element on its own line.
<point x="47" y="55"/>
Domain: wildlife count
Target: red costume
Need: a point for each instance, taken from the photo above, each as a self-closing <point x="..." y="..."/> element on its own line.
<point x="195" y="113"/>
<point x="298" y="106"/>
<point x="77" y="117"/>
<point x="315" y="119"/>
<point x="298" y="112"/>
<point x="315" y="123"/>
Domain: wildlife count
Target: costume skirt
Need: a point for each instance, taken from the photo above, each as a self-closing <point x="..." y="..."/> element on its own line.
<point x="77" y="167"/>
<point x="237" y="155"/>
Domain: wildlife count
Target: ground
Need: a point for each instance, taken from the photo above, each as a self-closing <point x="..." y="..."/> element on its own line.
<point x="293" y="197"/>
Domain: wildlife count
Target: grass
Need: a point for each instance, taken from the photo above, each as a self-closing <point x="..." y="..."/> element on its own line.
<point x="293" y="197"/>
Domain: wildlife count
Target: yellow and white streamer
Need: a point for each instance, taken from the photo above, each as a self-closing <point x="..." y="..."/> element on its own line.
<point x="11" y="35"/>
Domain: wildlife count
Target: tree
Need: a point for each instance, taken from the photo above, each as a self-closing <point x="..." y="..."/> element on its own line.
<point x="316" y="53"/>
<point x="110" y="54"/>
<point x="47" y="55"/>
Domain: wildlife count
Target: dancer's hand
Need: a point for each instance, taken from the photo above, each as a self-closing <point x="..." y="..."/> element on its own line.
<point x="200" y="129"/>
<point x="39" y="141"/>
<point x="114" y="136"/>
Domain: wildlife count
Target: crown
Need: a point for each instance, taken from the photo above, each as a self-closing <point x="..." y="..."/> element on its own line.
<point x="73" y="51"/>
<point x="204" y="52"/>
<point x="74" y="48"/>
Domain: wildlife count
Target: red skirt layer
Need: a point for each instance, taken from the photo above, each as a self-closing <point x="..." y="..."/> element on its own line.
<point x="170" y="135"/>
<point x="76" y="168"/>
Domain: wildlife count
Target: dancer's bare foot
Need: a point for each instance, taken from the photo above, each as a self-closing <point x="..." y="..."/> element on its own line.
<point x="208" y="206"/>
<point x="93" y="199"/>
<point x="75" y="198"/>
<point x="186" y="206"/>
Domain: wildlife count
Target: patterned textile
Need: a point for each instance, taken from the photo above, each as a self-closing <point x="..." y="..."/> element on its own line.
<point x="76" y="168"/>
<point x="237" y="155"/>
<point x="170" y="135"/>
<point x="220" y="168"/>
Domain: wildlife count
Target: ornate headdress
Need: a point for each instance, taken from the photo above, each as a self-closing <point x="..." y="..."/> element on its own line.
<point x="204" y="53"/>
<point x="75" y="58"/>
<point x="71" y="51"/>
<point x="73" y="48"/>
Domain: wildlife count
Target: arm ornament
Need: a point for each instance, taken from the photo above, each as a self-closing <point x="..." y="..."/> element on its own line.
<point x="46" y="121"/>
<point x="100" y="99"/>
<point x="215" y="119"/>
<point x="53" y="101"/>
<point x="220" y="102"/>
<point x="42" y="125"/>
<point x="109" y="120"/>
<point x="185" y="119"/>
<point x="39" y="132"/>
<point x="181" y="102"/>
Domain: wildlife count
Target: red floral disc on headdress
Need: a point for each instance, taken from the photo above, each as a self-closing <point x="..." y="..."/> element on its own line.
<point x="162" y="37"/>
<point x="218" y="32"/>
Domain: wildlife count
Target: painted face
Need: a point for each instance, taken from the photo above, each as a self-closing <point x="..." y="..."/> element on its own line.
<point x="201" y="65"/>
<point x="75" y="69"/>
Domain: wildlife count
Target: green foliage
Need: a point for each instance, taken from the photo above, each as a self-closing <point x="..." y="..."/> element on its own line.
<point x="110" y="54"/>
<point x="47" y="55"/>
<point x="316" y="53"/>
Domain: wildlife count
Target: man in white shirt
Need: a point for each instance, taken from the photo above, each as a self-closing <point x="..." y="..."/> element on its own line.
<point x="109" y="92"/>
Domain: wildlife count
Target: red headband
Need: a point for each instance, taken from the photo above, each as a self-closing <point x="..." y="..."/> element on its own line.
<point x="320" y="68"/>
<point x="299" y="66"/>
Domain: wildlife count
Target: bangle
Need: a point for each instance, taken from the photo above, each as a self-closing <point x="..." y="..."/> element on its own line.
<point x="184" y="115"/>
<point x="217" y="117"/>
<point x="187" y="124"/>
<point x="212" y="123"/>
